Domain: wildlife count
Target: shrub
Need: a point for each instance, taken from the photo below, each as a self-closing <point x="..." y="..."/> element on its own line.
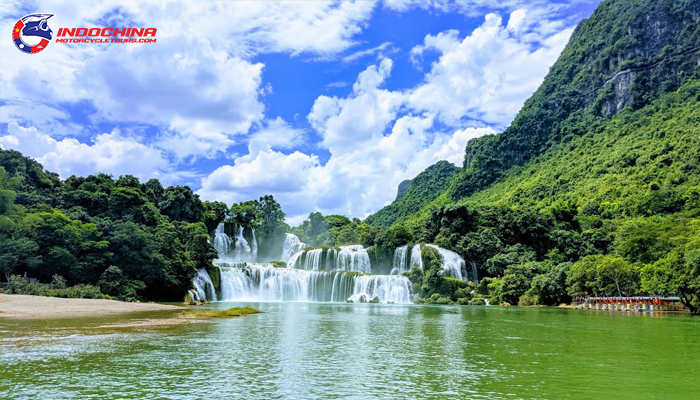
<point x="526" y="300"/>
<point x="16" y="285"/>
<point x="58" y="282"/>
<point x="477" y="301"/>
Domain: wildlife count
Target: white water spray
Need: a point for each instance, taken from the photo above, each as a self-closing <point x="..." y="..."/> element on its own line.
<point x="291" y="246"/>
<point x="203" y="286"/>
<point x="399" y="265"/>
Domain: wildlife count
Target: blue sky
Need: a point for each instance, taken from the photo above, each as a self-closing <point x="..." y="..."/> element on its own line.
<point x="326" y="105"/>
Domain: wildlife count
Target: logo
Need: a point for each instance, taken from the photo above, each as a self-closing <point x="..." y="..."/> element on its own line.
<point x="32" y="34"/>
<point x="34" y="28"/>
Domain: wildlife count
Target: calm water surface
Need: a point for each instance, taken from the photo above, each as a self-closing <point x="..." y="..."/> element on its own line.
<point x="323" y="351"/>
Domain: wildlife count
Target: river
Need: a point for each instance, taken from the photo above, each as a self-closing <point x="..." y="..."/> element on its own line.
<point x="385" y="351"/>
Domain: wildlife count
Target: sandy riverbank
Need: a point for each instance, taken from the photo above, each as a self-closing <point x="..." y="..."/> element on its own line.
<point x="21" y="306"/>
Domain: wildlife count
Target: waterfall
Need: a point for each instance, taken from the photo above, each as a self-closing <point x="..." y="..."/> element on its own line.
<point x="258" y="282"/>
<point x="388" y="288"/>
<point x="332" y="260"/>
<point x="203" y="286"/>
<point x="254" y="250"/>
<point x="222" y="242"/>
<point x="313" y="260"/>
<point x="416" y="258"/>
<point x="294" y="260"/>
<point x="399" y="265"/>
<point x="349" y="259"/>
<point x="318" y="275"/>
<point x="474" y="272"/>
<point x="243" y="250"/>
<point x="291" y="246"/>
<point x="354" y="259"/>
<point x="452" y="263"/>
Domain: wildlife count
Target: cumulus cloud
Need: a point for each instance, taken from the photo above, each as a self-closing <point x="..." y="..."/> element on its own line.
<point x="254" y="175"/>
<point x="111" y="153"/>
<point x="354" y="183"/>
<point x="349" y="123"/>
<point x="487" y="75"/>
<point x="279" y="134"/>
<point x="196" y="85"/>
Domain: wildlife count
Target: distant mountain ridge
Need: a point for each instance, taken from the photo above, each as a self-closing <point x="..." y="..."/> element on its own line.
<point x="414" y="194"/>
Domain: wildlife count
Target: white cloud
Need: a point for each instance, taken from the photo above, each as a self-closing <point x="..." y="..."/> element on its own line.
<point x="489" y="74"/>
<point x="277" y="133"/>
<point x="111" y="153"/>
<point x="254" y="175"/>
<point x="384" y="48"/>
<point x="354" y="183"/>
<point x="196" y="85"/>
<point x="349" y="123"/>
<point x="378" y="137"/>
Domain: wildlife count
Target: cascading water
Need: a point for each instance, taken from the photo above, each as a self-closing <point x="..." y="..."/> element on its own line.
<point x="254" y="249"/>
<point x="474" y="277"/>
<point x="203" y="287"/>
<point x="354" y="259"/>
<point x="291" y="246"/>
<point x="416" y="259"/>
<point x="312" y="260"/>
<point x="243" y="250"/>
<point x="452" y="263"/>
<point x="222" y="242"/>
<point x="320" y="275"/>
<point x="388" y="288"/>
<point x="258" y="282"/>
<point x="399" y="265"/>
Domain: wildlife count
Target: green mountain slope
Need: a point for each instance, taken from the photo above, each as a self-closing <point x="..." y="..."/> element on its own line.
<point x="643" y="163"/>
<point x="655" y="41"/>
<point x="420" y="191"/>
<point x="595" y="187"/>
<point x="649" y="47"/>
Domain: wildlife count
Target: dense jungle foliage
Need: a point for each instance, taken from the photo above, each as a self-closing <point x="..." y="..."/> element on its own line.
<point x="115" y="237"/>
<point x="595" y="187"/>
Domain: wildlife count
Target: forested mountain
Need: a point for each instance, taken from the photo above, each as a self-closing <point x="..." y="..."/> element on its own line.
<point x="420" y="191"/>
<point x="649" y="47"/>
<point x="595" y="187"/>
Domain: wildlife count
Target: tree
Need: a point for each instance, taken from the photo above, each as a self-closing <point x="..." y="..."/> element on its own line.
<point x="676" y="274"/>
<point x="511" y="255"/>
<point x="550" y="288"/>
<point x="7" y="195"/>
<point x="515" y="282"/>
<point x="154" y="190"/>
<point x="198" y="249"/>
<point x="245" y="214"/>
<point x="180" y="203"/>
<point x="602" y="275"/>
<point x="271" y="216"/>
<point x="16" y="248"/>
<point x="114" y="283"/>
<point x="214" y="213"/>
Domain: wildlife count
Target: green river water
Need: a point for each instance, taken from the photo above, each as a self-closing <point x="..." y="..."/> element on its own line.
<point x="358" y="351"/>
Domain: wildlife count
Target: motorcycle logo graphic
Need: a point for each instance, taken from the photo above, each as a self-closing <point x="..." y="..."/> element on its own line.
<point x="32" y="26"/>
